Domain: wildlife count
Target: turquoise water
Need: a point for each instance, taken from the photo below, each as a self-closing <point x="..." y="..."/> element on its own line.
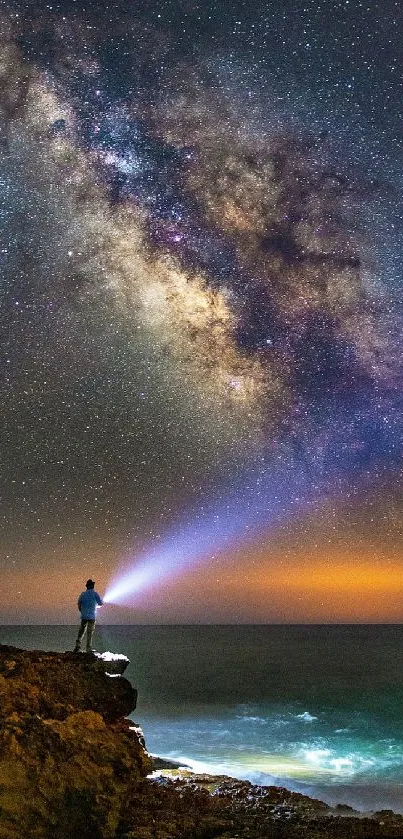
<point x="317" y="709"/>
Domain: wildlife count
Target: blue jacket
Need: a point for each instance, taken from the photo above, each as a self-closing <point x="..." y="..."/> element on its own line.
<point x="87" y="604"/>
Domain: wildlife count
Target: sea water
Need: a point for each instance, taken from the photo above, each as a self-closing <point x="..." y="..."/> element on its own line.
<point x="317" y="709"/>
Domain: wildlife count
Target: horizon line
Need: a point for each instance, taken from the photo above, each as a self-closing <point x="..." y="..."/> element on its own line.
<point x="200" y="624"/>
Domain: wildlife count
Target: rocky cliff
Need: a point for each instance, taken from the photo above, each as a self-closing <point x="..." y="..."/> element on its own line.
<point x="73" y="767"/>
<point x="67" y="753"/>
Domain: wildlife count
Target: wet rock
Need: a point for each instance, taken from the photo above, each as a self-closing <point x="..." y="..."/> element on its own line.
<point x="226" y="808"/>
<point x="163" y="763"/>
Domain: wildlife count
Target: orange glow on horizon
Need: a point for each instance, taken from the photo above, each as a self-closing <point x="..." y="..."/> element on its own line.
<point x="352" y="576"/>
<point x="340" y="589"/>
<point x="300" y="588"/>
<point x="329" y="586"/>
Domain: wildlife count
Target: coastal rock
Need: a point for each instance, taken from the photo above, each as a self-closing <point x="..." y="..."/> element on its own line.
<point x="56" y="684"/>
<point x="225" y="808"/>
<point x="68" y="756"/>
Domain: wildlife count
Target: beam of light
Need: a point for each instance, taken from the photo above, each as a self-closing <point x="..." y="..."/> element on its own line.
<point x="238" y="517"/>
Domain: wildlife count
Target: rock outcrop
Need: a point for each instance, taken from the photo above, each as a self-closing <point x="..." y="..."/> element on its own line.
<point x="73" y="767"/>
<point x="67" y="754"/>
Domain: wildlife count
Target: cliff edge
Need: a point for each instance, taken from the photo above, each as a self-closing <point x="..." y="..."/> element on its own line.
<point x="73" y="767"/>
<point x="67" y="753"/>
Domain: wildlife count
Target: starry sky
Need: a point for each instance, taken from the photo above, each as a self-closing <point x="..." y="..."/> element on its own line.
<point x="201" y="262"/>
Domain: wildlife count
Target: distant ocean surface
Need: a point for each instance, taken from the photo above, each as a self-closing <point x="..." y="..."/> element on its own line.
<point x="318" y="709"/>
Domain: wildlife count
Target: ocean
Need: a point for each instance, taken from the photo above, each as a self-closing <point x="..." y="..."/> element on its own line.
<point x="317" y="709"/>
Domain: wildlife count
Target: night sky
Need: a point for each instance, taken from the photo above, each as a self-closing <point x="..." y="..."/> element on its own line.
<point x="201" y="259"/>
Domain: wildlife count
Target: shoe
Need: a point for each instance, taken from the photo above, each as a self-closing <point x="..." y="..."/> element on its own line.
<point x="77" y="650"/>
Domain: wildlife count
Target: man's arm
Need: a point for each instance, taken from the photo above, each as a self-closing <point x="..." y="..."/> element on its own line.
<point x="79" y="603"/>
<point x="99" y="599"/>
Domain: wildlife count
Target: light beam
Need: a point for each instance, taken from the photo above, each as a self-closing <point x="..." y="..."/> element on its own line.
<point x="236" y="519"/>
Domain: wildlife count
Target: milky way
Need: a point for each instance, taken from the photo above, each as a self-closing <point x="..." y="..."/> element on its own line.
<point x="201" y="235"/>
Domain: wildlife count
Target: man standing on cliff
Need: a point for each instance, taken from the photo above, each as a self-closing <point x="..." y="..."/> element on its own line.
<point x="88" y="603"/>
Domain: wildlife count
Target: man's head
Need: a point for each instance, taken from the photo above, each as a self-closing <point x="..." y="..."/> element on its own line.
<point x="90" y="584"/>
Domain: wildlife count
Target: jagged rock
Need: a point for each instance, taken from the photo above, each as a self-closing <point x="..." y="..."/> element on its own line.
<point x="207" y="807"/>
<point x="67" y="754"/>
<point x="56" y="684"/>
<point x="225" y="808"/>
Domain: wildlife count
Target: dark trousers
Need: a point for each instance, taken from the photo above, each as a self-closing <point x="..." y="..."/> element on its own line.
<point x="86" y="626"/>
